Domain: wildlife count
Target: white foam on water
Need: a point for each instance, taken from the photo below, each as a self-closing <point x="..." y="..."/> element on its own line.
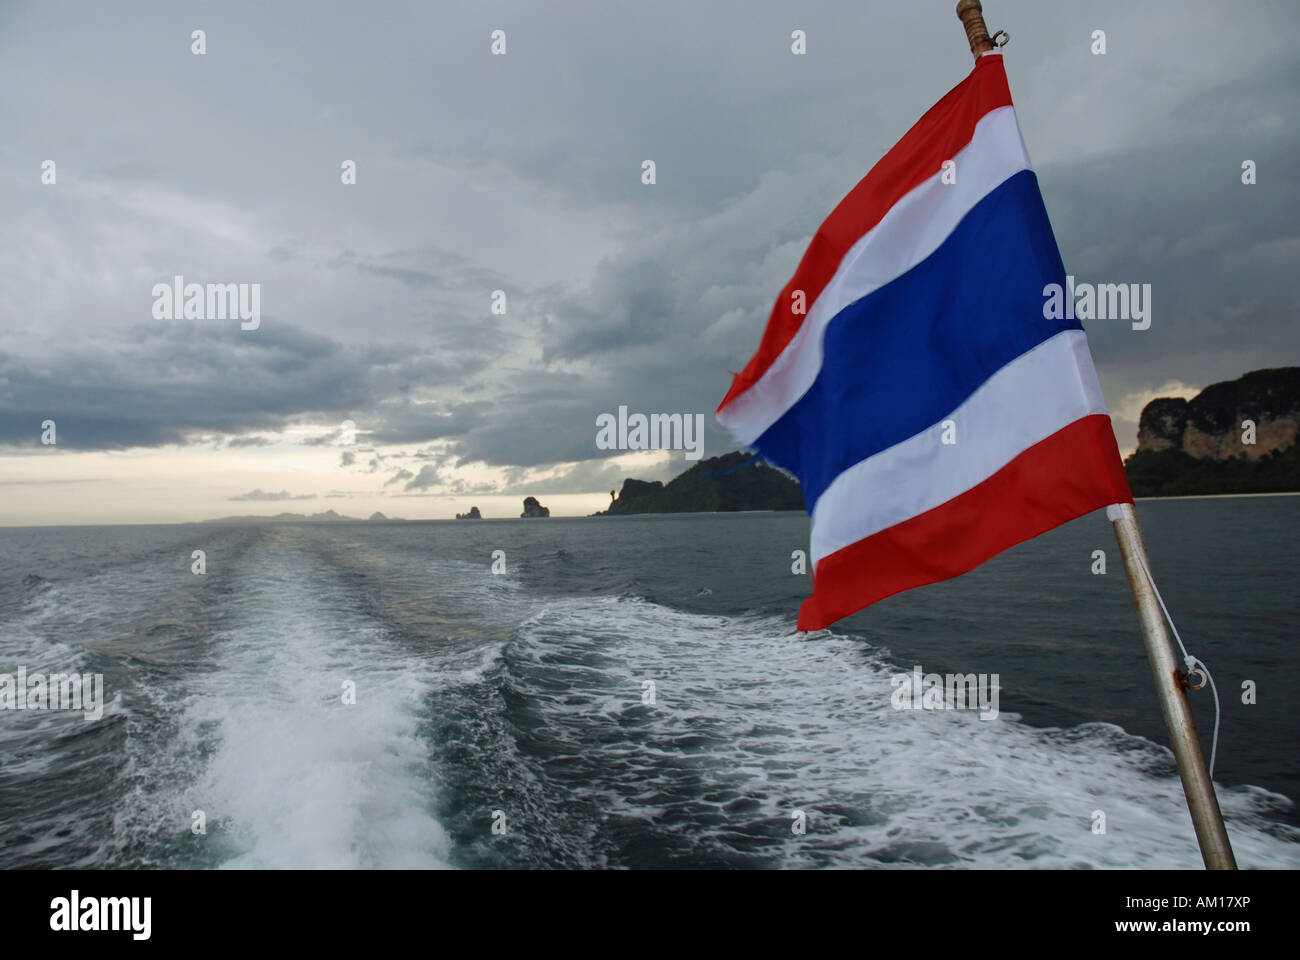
<point x="42" y="752"/>
<point x="36" y="641"/>
<point x="753" y="721"/>
<point x="296" y="777"/>
<point x="34" y="638"/>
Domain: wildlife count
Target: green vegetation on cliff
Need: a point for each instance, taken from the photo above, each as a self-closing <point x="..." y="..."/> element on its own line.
<point x="725" y="483"/>
<point x="1173" y="473"/>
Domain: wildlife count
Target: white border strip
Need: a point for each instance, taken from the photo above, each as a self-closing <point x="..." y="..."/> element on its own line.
<point x="908" y="233"/>
<point x="1040" y="392"/>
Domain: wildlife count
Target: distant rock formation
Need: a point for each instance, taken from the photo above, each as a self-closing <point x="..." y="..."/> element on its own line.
<point x="1202" y="445"/>
<point x="1209" y="426"/>
<point x="329" y="516"/>
<point x="472" y="515"/>
<point x="534" y="509"/>
<point x="734" y="481"/>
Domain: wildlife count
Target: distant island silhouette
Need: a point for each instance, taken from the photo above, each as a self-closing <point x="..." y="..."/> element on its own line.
<point x="532" y="508"/>
<point x="328" y="516"/>
<point x="729" y="483"/>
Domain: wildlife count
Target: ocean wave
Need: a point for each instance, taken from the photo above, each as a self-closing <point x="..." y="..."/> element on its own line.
<point x="753" y="722"/>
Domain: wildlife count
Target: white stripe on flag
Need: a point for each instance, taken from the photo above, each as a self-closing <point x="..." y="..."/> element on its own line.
<point x="1035" y="395"/>
<point x="913" y="229"/>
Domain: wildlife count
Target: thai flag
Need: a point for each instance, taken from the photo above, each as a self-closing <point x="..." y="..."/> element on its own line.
<point x="909" y="376"/>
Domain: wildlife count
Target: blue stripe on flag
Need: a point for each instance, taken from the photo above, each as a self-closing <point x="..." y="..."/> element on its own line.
<point x="904" y="357"/>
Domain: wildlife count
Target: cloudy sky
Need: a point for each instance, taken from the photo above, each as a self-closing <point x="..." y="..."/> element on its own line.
<point x="522" y="173"/>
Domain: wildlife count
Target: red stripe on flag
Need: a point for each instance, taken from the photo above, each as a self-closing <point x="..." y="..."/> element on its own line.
<point x="1074" y="471"/>
<point x="946" y="127"/>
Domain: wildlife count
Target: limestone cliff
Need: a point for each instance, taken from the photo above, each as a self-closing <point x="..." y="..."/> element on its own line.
<point x="1204" y="445"/>
<point x="1210" y="425"/>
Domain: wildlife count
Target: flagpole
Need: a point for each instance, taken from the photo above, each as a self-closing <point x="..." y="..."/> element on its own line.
<point x="1169" y="676"/>
<point x="971" y="15"/>
<point x="1171" y="681"/>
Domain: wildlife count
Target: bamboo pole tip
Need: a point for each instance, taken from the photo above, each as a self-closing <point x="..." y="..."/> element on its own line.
<point x="971" y="15"/>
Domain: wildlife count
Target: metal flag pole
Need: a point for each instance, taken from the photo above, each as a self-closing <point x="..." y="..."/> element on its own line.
<point x="1171" y="680"/>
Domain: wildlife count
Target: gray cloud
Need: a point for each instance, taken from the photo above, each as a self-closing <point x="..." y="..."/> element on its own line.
<point x="262" y="495"/>
<point x="251" y="441"/>
<point x="376" y="296"/>
<point x="160" y="384"/>
<point x="426" y="478"/>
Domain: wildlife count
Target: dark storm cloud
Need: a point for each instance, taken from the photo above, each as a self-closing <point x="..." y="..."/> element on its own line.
<point x="160" y="384"/>
<point x="550" y="417"/>
<point x="402" y="420"/>
<point x="528" y="180"/>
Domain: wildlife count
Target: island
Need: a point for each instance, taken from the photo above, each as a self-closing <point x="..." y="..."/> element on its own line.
<point x="729" y="483"/>
<point x="472" y="515"/>
<point x="1238" y="436"/>
<point x="534" y="509"/>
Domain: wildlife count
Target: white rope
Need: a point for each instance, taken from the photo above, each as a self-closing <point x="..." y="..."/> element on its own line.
<point x="1193" y="664"/>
